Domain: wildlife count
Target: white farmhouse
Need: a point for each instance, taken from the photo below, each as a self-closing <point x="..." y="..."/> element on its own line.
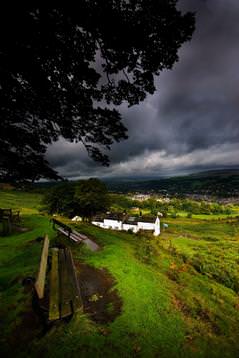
<point x="111" y="221"/>
<point x="123" y="222"/>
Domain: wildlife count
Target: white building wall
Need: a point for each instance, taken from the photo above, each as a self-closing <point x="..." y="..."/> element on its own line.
<point x="157" y="227"/>
<point x="113" y="224"/>
<point x="127" y="227"/>
<point x="146" y="226"/>
<point x="118" y="225"/>
<point x="98" y="223"/>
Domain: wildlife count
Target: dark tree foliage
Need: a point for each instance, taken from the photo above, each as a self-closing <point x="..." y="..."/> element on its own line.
<point x="60" y="199"/>
<point x="84" y="198"/>
<point x="62" y="68"/>
<point x="91" y="197"/>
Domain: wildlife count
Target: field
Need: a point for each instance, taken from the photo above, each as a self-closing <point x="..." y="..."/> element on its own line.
<point x="178" y="293"/>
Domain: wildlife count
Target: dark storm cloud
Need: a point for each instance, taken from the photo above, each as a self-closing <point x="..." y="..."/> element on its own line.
<point x="191" y="122"/>
<point x="201" y="96"/>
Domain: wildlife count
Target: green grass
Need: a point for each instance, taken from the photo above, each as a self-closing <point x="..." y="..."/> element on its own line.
<point x="210" y="217"/>
<point x="179" y="291"/>
<point x="19" y="257"/>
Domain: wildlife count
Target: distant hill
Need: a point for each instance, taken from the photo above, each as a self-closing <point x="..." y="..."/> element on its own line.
<point x="218" y="172"/>
<point x="222" y="183"/>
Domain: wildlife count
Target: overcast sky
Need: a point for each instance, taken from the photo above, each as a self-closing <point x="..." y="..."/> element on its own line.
<point x="191" y="123"/>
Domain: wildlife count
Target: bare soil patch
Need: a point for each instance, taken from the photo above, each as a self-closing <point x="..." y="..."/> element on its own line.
<point x="101" y="300"/>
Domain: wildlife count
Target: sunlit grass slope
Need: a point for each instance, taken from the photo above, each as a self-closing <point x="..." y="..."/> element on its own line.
<point x="179" y="291"/>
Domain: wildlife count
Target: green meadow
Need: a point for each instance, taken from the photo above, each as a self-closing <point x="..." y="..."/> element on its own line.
<point x="179" y="292"/>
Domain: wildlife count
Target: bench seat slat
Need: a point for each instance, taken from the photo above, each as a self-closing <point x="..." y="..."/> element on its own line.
<point x="75" y="238"/>
<point x="65" y="287"/>
<point x="72" y="236"/>
<point x="62" y="231"/>
<point x="54" y="307"/>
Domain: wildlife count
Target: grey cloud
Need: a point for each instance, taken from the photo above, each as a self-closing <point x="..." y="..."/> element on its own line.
<point x="195" y="110"/>
<point x="158" y="163"/>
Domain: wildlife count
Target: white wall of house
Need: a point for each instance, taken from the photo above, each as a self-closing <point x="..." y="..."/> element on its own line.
<point x="113" y="224"/>
<point x="127" y="227"/>
<point x="118" y="225"/>
<point x="157" y="227"/>
<point x="146" y="226"/>
<point x="98" y="223"/>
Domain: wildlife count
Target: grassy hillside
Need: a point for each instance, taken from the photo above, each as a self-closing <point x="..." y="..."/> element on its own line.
<point x="179" y="292"/>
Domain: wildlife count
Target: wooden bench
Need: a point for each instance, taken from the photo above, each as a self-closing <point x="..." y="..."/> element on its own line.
<point x="13" y="214"/>
<point x="8" y="217"/>
<point x="60" y="225"/>
<point x="64" y="291"/>
<point x="68" y="231"/>
<point x="74" y="235"/>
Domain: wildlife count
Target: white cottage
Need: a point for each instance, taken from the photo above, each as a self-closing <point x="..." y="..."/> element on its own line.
<point x="111" y="221"/>
<point x="123" y="222"/>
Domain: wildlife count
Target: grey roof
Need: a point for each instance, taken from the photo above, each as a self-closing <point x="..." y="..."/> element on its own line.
<point x="116" y="216"/>
<point x="99" y="218"/>
<point x="132" y="220"/>
<point x="144" y="219"/>
<point x="113" y="216"/>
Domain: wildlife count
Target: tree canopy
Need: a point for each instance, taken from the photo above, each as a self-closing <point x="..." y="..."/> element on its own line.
<point x="60" y="199"/>
<point x="84" y="198"/>
<point x="64" y="69"/>
<point x="91" y="197"/>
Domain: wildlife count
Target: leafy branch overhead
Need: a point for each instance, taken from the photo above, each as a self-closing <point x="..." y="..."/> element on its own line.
<point x="62" y="69"/>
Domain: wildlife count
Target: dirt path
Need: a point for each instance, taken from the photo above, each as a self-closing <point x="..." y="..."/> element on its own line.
<point x="87" y="241"/>
<point x="91" y="244"/>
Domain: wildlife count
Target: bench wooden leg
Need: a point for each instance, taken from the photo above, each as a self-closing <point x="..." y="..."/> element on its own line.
<point x="75" y="289"/>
